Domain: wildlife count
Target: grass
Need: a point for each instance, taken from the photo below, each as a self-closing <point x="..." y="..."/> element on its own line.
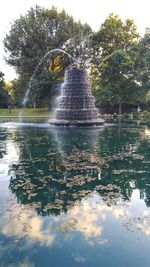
<point x="29" y="112"/>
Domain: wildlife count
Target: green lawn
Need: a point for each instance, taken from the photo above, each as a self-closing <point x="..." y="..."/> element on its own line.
<point x="37" y="112"/>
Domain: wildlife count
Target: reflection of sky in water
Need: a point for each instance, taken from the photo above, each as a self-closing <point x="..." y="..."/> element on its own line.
<point x="10" y="156"/>
<point x="107" y="223"/>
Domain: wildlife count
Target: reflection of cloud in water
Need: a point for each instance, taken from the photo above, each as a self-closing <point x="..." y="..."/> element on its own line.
<point x="145" y="227"/>
<point x="146" y="133"/>
<point x="118" y="213"/>
<point x="24" y="264"/>
<point x="85" y="219"/>
<point x="11" y="156"/>
<point x="28" y="225"/>
<point x="78" y="258"/>
<point x="88" y="218"/>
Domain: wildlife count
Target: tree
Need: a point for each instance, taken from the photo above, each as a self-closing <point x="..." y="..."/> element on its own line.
<point x="36" y="33"/>
<point x="143" y="66"/>
<point x="18" y="90"/>
<point x="116" y="45"/>
<point x="117" y="83"/>
<point x="4" y="97"/>
<point x="115" y="34"/>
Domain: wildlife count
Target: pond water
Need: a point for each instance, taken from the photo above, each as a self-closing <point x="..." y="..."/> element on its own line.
<point x="74" y="197"/>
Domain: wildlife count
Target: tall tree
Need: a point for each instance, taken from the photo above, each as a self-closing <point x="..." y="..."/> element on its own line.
<point x="114" y="34"/>
<point x="36" y="33"/>
<point x="143" y="66"/>
<point x="116" y="46"/>
<point x="117" y="84"/>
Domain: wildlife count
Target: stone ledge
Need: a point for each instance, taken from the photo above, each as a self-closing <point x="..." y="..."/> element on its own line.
<point x="77" y="123"/>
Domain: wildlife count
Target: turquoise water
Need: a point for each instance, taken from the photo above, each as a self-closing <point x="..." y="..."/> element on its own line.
<point x="74" y="197"/>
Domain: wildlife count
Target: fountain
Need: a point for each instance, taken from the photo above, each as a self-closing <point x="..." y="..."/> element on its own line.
<point x="76" y="104"/>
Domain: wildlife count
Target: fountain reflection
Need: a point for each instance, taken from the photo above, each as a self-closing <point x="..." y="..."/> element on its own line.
<point x="60" y="171"/>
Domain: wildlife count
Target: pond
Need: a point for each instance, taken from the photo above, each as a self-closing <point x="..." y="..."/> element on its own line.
<point x="74" y="196"/>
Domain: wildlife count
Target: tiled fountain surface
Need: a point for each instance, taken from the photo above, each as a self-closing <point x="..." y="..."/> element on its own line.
<point x="76" y="104"/>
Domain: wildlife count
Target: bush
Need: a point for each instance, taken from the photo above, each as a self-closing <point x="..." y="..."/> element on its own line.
<point x="126" y="116"/>
<point x="115" y="116"/>
<point x="146" y="114"/>
<point x="135" y="115"/>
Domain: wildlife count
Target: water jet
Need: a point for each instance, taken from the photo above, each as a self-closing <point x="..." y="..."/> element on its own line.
<point x="56" y="52"/>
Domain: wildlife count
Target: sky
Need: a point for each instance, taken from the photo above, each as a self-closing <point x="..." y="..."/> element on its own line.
<point x="93" y="12"/>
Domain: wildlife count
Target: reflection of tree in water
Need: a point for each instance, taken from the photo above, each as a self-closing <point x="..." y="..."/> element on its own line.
<point x="58" y="168"/>
<point x="3" y="137"/>
<point x="132" y="170"/>
<point x="50" y="180"/>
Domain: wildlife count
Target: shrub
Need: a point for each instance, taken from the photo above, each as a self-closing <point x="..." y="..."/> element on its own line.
<point x="126" y="116"/>
<point x="115" y="116"/>
<point x="146" y="114"/>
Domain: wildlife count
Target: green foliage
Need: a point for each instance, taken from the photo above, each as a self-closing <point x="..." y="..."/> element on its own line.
<point x="119" y="61"/>
<point x="28" y="112"/>
<point x="126" y="116"/>
<point x="148" y="99"/>
<point x="18" y="87"/>
<point x="117" y="78"/>
<point x="143" y="64"/>
<point x="142" y="73"/>
<point x="115" y="116"/>
<point x="146" y="114"/>
<point x="36" y="33"/>
<point x="44" y="88"/>
<point x="116" y="45"/>
<point x="113" y="35"/>
<point x="4" y="97"/>
<point x="135" y="114"/>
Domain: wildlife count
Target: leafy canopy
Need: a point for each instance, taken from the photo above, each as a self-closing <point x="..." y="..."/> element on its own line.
<point x="116" y="45"/>
<point x="32" y="36"/>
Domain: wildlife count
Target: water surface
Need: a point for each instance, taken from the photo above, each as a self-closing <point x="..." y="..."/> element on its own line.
<point x="74" y="197"/>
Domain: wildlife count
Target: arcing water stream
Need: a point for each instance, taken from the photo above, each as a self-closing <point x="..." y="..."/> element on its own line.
<point x="43" y="59"/>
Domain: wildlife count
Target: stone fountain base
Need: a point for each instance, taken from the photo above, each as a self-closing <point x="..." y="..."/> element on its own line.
<point x="76" y="104"/>
<point x="96" y="122"/>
